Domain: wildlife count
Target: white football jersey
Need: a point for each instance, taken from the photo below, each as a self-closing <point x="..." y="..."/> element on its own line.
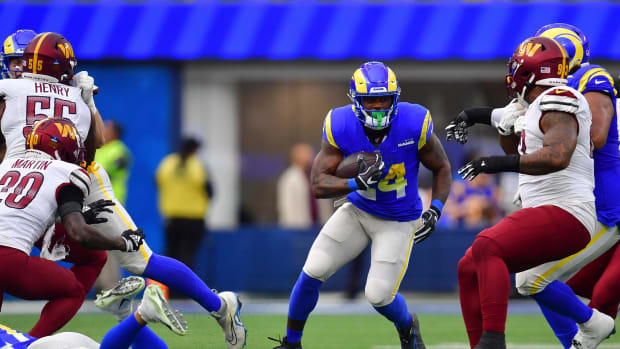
<point x="570" y="188"/>
<point x="28" y="101"/>
<point x="28" y="203"/>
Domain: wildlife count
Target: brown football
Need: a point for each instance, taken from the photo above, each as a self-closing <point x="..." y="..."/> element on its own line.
<point x="349" y="166"/>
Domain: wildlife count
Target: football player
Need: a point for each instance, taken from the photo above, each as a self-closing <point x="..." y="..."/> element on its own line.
<point x="555" y="184"/>
<point x="45" y="91"/>
<point x="384" y="207"/>
<point x="153" y="308"/>
<point x="36" y="189"/>
<point x="599" y="280"/>
<point x="11" y="61"/>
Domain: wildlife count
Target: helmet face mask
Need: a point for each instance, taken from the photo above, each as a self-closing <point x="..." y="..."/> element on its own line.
<point x="572" y="39"/>
<point x="537" y="61"/>
<point x="57" y="138"/>
<point x="370" y="84"/>
<point x="12" y="50"/>
<point x="52" y="55"/>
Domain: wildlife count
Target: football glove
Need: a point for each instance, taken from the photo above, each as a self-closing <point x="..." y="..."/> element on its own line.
<point x="457" y="128"/>
<point x="489" y="164"/>
<point x="511" y="112"/>
<point x="133" y="239"/>
<point x="86" y="83"/>
<point x="369" y="175"/>
<point x="519" y="125"/>
<point x="95" y="208"/>
<point x="429" y="221"/>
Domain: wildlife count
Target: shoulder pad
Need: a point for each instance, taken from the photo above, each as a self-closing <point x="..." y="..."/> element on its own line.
<point x="80" y="178"/>
<point x="562" y="100"/>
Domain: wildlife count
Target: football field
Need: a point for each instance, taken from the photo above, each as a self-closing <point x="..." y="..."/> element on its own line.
<point x="325" y="331"/>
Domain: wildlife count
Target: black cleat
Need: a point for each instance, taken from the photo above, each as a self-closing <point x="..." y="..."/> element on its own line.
<point x="491" y="340"/>
<point x="410" y="336"/>
<point x="284" y="344"/>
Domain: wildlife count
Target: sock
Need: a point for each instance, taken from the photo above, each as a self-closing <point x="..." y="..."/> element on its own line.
<point x="396" y="312"/>
<point x="304" y="297"/>
<point x="559" y="298"/>
<point x="147" y="339"/>
<point x="563" y="327"/>
<point x="177" y="275"/>
<point x="121" y="335"/>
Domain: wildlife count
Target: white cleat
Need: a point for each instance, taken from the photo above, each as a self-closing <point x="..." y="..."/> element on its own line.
<point x="230" y="321"/>
<point x="155" y="308"/>
<point x="592" y="332"/>
<point x="118" y="300"/>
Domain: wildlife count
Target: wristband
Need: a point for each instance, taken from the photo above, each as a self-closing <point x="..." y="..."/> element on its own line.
<point x="481" y="115"/>
<point x="437" y="204"/>
<point x="353" y="184"/>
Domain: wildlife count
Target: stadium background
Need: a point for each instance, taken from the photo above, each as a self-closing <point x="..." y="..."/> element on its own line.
<point x="251" y="78"/>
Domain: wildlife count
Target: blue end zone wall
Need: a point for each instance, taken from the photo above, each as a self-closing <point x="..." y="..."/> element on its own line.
<point x="143" y="98"/>
<point x="269" y="259"/>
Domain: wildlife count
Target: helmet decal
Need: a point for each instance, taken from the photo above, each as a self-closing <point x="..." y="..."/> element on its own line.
<point x="571" y="38"/>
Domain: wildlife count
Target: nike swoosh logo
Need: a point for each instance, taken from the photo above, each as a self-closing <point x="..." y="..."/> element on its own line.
<point x="599" y="81"/>
<point x="370" y="182"/>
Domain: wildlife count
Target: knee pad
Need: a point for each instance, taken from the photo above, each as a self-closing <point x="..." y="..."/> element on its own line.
<point x="378" y="292"/>
<point x="484" y="246"/>
<point x="318" y="265"/>
<point x="525" y="280"/>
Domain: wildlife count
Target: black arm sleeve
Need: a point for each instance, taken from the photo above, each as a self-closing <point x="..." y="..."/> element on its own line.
<point x="479" y="115"/>
<point x="69" y="200"/>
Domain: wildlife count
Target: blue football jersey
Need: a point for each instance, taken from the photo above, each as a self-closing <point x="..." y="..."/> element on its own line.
<point x="396" y="196"/>
<point x="11" y="338"/>
<point x="589" y="78"/>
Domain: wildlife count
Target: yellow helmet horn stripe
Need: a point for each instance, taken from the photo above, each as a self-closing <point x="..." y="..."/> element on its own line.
<point x="360" y="82"/>
<point x="554" y="33"/>
<point x="392" y="84"/>
<point x="36" y="53"/>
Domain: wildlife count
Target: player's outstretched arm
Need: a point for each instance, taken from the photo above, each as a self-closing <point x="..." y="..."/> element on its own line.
<point x="324" y="183"/>
<point x="559" y="142"/>
<point x="602" y="109"/>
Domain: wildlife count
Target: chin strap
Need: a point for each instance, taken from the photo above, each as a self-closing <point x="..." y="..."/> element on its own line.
<point x="521" y="96"/>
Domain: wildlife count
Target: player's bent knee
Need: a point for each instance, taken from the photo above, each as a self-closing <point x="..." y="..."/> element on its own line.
<point x="484" y="247"/>
<point x="318" y="265"/>
<point x="466" y="266"/>
<point x="378" y="292"/>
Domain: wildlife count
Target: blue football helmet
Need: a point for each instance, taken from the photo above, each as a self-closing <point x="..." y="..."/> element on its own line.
<point x="13" y="47"/>
<point x="571" y="38"/>
<point x="374" y="79"/>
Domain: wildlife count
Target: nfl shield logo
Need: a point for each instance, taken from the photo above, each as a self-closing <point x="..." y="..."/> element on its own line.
<point x="545" y="70"/>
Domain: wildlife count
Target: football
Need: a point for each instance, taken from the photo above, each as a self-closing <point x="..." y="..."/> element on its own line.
<point x="349" y="166"/>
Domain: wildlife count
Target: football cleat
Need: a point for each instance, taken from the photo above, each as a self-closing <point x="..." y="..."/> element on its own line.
<point x="410" y="337"/>
<point x="155" y="308"/>
<point x="594" y="331"/>
<point x="119" y="299"/>
<point x="284" y="344"/>
<point x="230" y="321"/>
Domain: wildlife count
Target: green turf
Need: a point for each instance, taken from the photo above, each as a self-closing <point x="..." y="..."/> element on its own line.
<point x="322" y="331"/>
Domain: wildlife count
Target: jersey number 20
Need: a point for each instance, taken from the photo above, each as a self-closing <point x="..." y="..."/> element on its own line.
<point x="25" y="190"/>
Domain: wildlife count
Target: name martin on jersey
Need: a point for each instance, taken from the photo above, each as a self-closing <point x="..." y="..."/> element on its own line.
<point x="44" y="87"/>
<point x="32" y="164"/>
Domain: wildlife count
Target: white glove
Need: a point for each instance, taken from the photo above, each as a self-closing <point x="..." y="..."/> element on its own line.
<point x="86" y="83"/>
<point x="519" y="125"/>
<point x="511" y="112"/>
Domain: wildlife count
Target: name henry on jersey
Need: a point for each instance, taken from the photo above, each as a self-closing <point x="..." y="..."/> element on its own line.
<point x="44" y="87"/>
<point x="32" y="164"/>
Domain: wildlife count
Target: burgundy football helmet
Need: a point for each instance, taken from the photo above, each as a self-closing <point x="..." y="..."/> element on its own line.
<point x="537" y="61"/>
<point x="52" y="55"/>
<point x="59" y="138"/>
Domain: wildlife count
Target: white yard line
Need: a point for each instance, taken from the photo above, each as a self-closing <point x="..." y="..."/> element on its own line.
<point x="509" y="345"/>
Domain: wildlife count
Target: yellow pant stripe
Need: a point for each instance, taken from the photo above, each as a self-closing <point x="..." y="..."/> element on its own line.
<point x="561" y="263"/>
<point x="93" y="168"/>
<point x="402" y="272"/>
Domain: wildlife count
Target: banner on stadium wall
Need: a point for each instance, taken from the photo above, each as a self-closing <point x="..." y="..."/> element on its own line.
<point x="309" y="29"/>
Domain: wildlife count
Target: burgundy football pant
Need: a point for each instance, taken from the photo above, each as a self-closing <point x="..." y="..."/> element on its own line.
<point x="35" y="278"/>
<point x="524" y="239"/>
<point x="600" y="282"/>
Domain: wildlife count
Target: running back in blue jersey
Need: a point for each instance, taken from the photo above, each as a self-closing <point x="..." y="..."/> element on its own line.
<point x="590" y="78"/>
<point x="13" y="339"/>
<point x="396" y="196"/>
